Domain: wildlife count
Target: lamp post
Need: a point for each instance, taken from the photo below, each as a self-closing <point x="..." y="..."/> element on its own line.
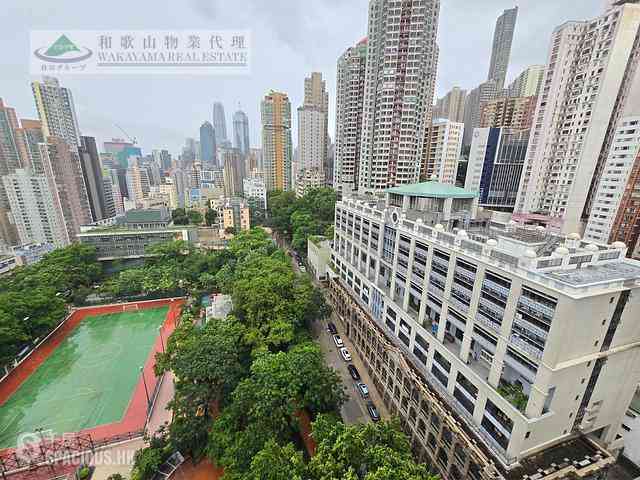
<point x="161" y="338"/>
<point x="146" y="390"/>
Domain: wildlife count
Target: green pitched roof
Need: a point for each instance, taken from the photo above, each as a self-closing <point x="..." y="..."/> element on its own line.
<point x="433" y="190"/>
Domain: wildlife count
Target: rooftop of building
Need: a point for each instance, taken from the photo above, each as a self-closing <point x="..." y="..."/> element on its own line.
<point x="433" y="189"/>
<point x="149" y="215"/>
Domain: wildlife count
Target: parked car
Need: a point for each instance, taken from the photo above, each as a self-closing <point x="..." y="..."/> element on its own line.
<point x="331" y="328"/>
<point x="363" y="389"/>
<point x="373" y="412"/>
<point x="353" y="371"/>
<point x="345" y="354"/>
<point x="338" y="341"/>
<point x="303" y="268"/>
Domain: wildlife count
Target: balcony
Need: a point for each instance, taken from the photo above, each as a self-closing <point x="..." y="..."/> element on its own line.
<point x="526" y="347"/>
<point x="491" y="308"/>
<point x="487" y="321"/>
<point x="524" y="324"/>
<point x="494" y="288"/>
<point x="531" y="306"/>
<point x="441" y="263"/>
<point x="466" y="275"/>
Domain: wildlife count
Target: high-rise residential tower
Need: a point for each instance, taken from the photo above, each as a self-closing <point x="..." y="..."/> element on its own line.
<point x="349" y="103"/>
<point x="588" y="90"/>
<point x="277" y="152"/>
<point x="476" y="98"/>
<point x="92" y="173"/>
<point x="501" y="50"/>
<point x="10" y="160"/>
<point x="56" y="110"/>
<point x="398" y="93"/>
<point x="512" y="112"/>
<point x="443" y="151"/>
<point x="241" y="132"/>
<point x="208" y="144"/>
<point x="312" y="129"/>
<point x="528" y="83"/>
<point x="219" y="123"/>
<point x="451" y="106"/>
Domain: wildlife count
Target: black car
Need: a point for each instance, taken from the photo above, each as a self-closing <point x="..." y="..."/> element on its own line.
<point x="353" y="371"/>
<point x="373" y="412"/>
<point x="331" y="328"/>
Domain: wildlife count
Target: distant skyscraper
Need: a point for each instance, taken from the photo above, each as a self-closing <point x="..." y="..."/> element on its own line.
<point x="527" y="84"/>
<point x="501" y="51"/>
<point x="398" y="90"/>
<point x="163" y="159"/>
<point x="56" y="110"/>
<point x="312" y="127"/>
<point x="276" y="141"/>
<point x="219" y="123"/>
<point x="443" y="151"/>
<point x="208" y="144"/>
<point x="138" y="185"/>
<point x="241" y="132"/>
<point x="451" y="106"/>
<point x="92" y="174"/>
<point x="349" y="103"/>
<point x="591" y="86"/>
<point x="496" y="159"/>
<point x="234" y="172"/>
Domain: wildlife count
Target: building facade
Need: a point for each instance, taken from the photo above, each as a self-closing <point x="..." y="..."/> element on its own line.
<point x="10" y="160"/>
<point x="591" y="66"/>
<point x="255" y="189"/>
<point x="219" y="124"/>
<point x="451" y="106"/>
<point x="496" y="160"/>
<point x="207" y="145"/>
<point x="442" y="151"/>
<point x="497" y="354"/>
<point x="276" y="141"/>
<point x="56" y="110"/>
<point x="234" y="172"/>
<point x="349" y="104"/>
<point x="473" y="107"/>
<point x="527" y="83"/>
<point x="398" y="92"/>
<point x="92" y="175"/>
<point x="511" y="112"/>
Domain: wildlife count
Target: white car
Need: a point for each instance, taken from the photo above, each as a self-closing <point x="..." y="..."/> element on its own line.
<point x="338" y="341"/>
<point x="364" y="391"/>
<point x="345" y="354"/>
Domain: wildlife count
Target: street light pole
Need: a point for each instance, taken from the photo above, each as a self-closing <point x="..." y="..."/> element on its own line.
<point x="146" y="390"/>
<point x="161" y="338"/>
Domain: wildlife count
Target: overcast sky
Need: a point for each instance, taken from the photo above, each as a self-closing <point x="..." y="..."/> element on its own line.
<point x="290" y="39"/>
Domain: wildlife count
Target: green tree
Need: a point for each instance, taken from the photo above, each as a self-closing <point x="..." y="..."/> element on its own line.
<point x="195" y="217"/>
<point x="371" y="451"/>
<point x="276" y="462"/>
<point x="179" y="217"/>
<point x="210" y="217"/>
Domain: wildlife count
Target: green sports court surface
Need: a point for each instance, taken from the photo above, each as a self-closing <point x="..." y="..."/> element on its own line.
<point x="88" y="380"/>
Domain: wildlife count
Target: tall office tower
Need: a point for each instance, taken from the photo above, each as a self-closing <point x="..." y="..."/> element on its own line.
<point x="312" y="127"/>
<point x="241" y="132"/>
<point x="501" y="50"/>
<point x="56" y="110"/>
<point x="451" y="106"/>
<point x="512" y="112"/>
<point x="590" y="71"/>
<point x="163" y="159"/>
<point x="207" y="145"/>
<point x="398" y="90"/>
<point x="61" y="165"/>
<point x="92" y="174"/>
<point x="473" y="107"/>
<point x="275" y="111"/>
<point x="442" y="151"/>
<point x="349" y="104"/>
<point x="219" y="123"/>
<point x="496" y="160"/>
<point x="10" y="160"/>
<point x="234" y="172"/>
<point x="502" y="359"/>
<point x="528" y="83"/>
<point x="37" y="215"/>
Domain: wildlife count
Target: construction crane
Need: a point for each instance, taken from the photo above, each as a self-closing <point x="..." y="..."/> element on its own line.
<point x="132" y="140"/>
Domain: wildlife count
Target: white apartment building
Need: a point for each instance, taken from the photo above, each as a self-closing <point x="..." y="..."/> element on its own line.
<point x="527" y="83"/>
<point x="507" y="352"/>
<point x="443" y="151"/>
<point x="308" y="179"/>
<point x="349" y="103"/>
<point x="398" y="91"/>
<point x="35" y="210"/>
<point x="613" y="181"/>
<point x="255" y="188"/>
<point x="589" y="67"/>
<point x="312" y="137"/>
